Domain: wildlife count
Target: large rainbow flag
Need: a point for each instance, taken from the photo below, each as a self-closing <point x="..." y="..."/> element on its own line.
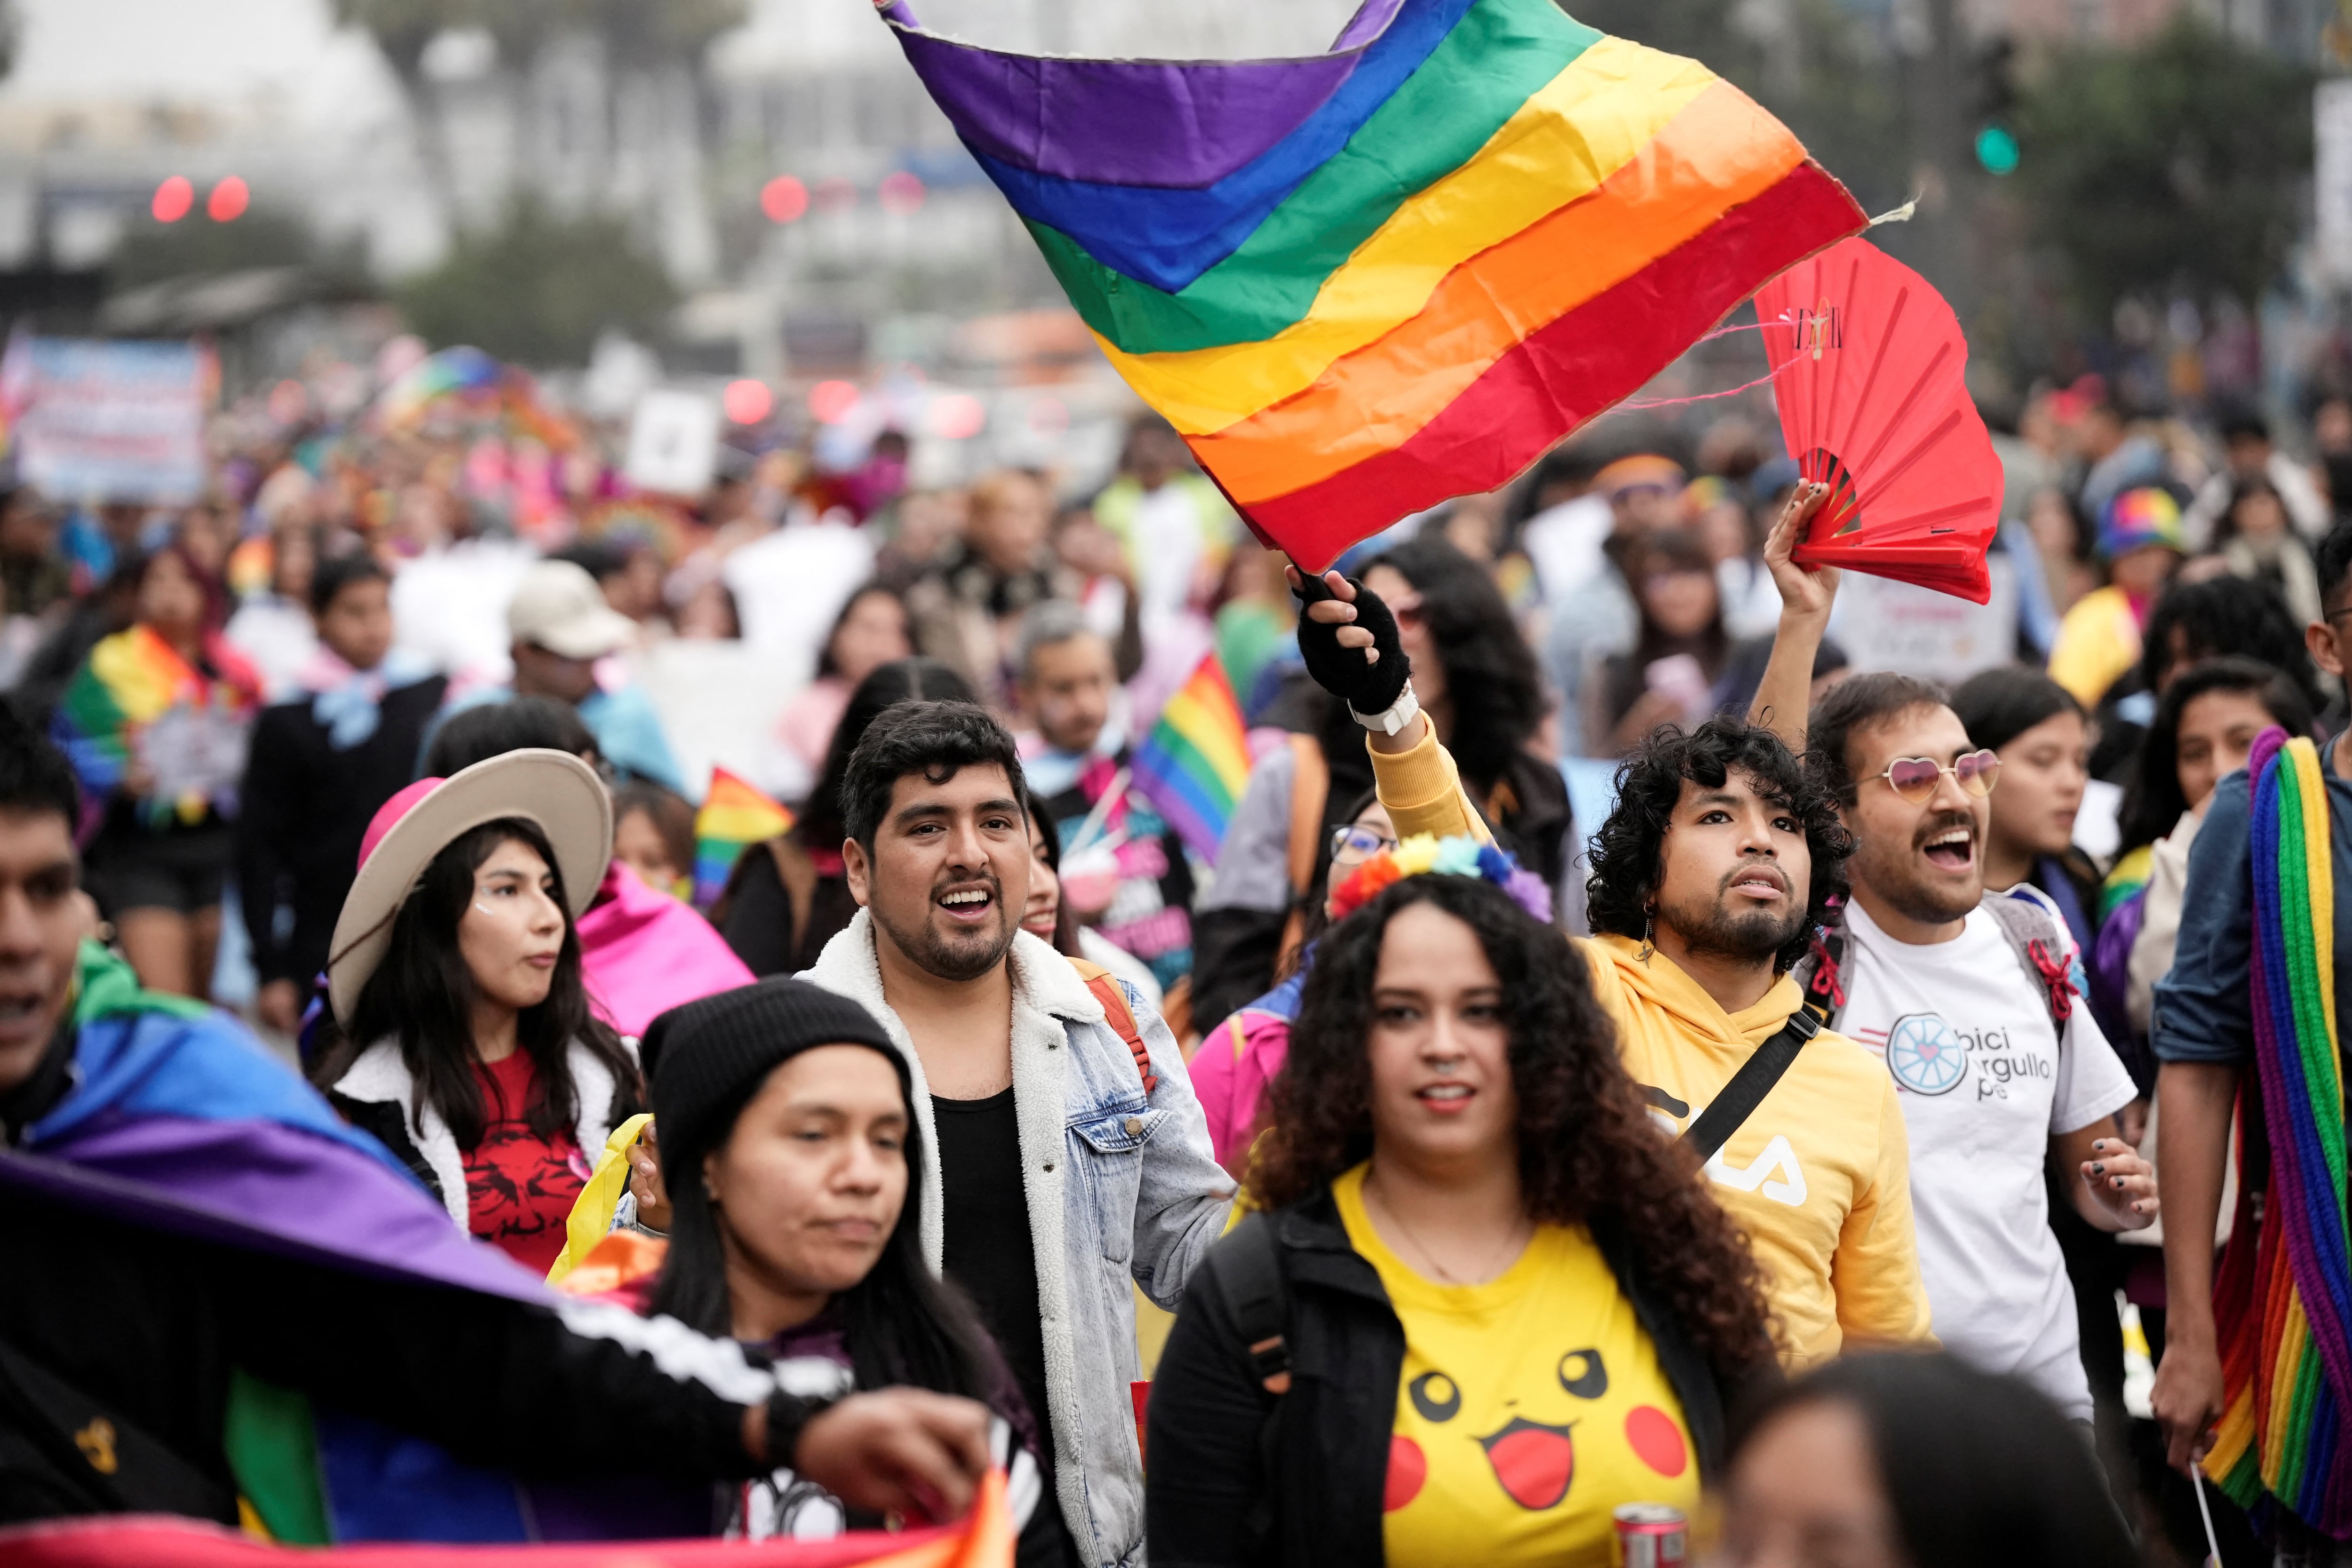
<point x="2283" y="1299"/>
<point x="1364" y="282"/>
<point x="1195" y="763"/>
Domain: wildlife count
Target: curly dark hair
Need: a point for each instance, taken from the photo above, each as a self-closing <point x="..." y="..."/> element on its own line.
<point x="1628" y="852"/>
<point x="1589" y="1153"/>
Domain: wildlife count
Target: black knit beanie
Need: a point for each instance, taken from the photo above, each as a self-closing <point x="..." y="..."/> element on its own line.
<point x="706" y="1057"/>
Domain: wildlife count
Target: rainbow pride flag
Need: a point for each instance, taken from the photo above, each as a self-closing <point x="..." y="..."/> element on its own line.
<point x="1194" y="763"/>
<point x="2283" y="1299"/>
<point x="1366" y="281"/>
<point x="734" y="816"/>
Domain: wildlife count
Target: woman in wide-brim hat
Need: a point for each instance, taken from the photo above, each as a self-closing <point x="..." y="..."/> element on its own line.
<point x="467" y="1044"/>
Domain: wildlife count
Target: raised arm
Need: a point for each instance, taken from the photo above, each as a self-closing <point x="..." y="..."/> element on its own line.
<point x="1806" y="595"/>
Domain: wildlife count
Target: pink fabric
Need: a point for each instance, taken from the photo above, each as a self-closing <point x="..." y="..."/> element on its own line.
<point x="1230" y="1072"/>
<point x="392" y="811"/>
<point x="644" y="953"/>
<point x="810" y="719"/>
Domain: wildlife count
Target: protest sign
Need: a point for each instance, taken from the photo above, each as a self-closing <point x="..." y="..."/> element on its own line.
<point x="97" y="420"/>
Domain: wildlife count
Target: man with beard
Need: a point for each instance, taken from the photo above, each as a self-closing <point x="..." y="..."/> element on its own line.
<point x="1057" y="1137"/>
<point x="1973" y="1003"/>
<point x="1719" y="861"/>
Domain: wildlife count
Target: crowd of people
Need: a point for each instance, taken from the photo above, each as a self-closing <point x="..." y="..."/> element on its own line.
<point x="1777" y="1152"/>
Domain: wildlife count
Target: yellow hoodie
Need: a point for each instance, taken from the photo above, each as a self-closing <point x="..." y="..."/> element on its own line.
<point x="1819" y="1176"/>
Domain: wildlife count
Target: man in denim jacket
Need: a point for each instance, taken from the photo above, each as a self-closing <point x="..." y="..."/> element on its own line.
<point x="1057" y="1164"/>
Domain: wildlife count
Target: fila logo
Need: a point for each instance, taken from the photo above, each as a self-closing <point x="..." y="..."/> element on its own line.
<point x="1778" y="1157"/>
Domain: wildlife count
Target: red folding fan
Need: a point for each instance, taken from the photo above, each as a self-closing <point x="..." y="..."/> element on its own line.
<point x="1867" y="363"/>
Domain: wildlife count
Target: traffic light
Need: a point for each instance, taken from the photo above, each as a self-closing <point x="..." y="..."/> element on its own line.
<point x="1993" y="100"/>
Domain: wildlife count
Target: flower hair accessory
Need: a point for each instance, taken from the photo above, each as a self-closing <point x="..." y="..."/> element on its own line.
<point x="1424" y="853"/>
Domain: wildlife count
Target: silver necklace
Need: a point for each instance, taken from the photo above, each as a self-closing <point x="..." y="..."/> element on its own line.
<point x="1513" y="1245"/>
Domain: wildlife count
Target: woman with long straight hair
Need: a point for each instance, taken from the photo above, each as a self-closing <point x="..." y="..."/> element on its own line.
<point x="789" y="1148"/>
<point x="1485" y="1303"/>
<point x="467" y="1043"/>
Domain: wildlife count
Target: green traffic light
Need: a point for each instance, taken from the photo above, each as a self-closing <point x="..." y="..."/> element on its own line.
<point x="1996" y="149"/>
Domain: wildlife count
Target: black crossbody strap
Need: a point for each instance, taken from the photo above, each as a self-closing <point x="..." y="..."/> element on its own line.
<point x="1249" y="1277"/>
<point x="1748" y="1086"/>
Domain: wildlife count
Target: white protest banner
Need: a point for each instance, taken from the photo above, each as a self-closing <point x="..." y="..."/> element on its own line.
<point x="1885" y="625"/>
<point x="92" y="419"/>
<point x="673" y="442"/>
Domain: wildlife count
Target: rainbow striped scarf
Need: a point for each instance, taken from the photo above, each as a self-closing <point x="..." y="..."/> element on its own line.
<point x="2284" y="1300"/>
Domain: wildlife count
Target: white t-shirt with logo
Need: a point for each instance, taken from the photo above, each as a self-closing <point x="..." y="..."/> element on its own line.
<point x="1984" y="1088"/>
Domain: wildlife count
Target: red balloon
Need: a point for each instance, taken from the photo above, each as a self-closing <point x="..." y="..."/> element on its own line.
<point x="228" y="201"/>
<point x="1869" y="371"/>
<point x="172" y="199"/>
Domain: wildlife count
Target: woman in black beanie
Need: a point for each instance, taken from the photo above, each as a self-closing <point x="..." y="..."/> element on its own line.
<point x="787" y="1147"/>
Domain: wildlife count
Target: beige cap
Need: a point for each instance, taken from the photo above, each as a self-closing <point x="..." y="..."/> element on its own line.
<point x="558" y="606"/>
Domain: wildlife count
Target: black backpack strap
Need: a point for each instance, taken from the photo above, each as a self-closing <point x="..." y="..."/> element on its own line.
<point x="1748" y="1086"/>
<point x="2036" y="937"/>
<point x="1249" y="1281"/>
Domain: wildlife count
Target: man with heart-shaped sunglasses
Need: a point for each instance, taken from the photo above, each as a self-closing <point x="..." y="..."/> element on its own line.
<point x="1970" y="998"/>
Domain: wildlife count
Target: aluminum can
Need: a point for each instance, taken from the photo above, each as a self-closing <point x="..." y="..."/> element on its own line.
<point x="1650" y="1535"/>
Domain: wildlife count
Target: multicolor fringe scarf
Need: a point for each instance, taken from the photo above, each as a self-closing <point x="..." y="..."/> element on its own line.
<point x="2284" y="1300"/>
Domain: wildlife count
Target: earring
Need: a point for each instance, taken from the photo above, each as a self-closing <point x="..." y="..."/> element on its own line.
<point x="1648" y="929"/>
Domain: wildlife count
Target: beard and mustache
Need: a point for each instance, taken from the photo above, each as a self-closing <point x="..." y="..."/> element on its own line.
<point x="954" y="953"/>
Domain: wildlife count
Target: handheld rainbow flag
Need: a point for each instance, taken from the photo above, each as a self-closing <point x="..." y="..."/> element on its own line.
<point x="1195" y="763"/>
<point x="1364" y="282"/>
<point x="2282" y="1300"/>
<point x="734" y="816"/>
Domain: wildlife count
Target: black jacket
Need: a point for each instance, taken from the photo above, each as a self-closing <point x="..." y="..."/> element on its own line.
<point x="302" y="810"/>
<point x="1212" y="1501"/>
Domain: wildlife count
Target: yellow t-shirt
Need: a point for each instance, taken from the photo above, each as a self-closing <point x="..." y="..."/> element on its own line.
<point x="1527" y="1409"/>
<point x="1817" y="1176"/>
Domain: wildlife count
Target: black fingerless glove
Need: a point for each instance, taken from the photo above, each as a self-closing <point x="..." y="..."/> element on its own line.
<point x="1367" y="688"/>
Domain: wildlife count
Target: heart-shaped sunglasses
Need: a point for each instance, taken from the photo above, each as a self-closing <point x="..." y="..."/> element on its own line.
<point x="1915" y="778"/>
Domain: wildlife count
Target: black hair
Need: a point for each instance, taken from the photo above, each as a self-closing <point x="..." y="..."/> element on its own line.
<point x="2334" y="563"/>
<point x="673" y="819"/>
<point x="1628" y="852"/>
<point x="421" y="996"/>
<point x="1491" y="678"/>
<point x="599" y="558"/>
<point x="2152" y="801"/>
<point x="1049" y="839"/>
<point x="1858" y="702"/>
<point x="493" y="729"/>
<point x="1995" y="706"/>
<point x="1977" y="1468"/>
<point x="2225" y="527"/>
<point x="937" y="740"/>
<point x="337" y="573"/>
<point x="34" y="776"/>
<point x="827" y="665"/>
<point x="821" y="826"/>
<point x="2231" y="615"/>
<point x="2243" y="424"/>
<point x="902" y="1324"/>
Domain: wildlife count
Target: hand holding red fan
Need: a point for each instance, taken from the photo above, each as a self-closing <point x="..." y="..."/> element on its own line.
<point x="1867" y="370"/>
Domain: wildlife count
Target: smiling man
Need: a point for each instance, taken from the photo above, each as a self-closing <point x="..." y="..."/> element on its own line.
<point x="1064" y="1148"/>
<point x="1971" y="1003"/>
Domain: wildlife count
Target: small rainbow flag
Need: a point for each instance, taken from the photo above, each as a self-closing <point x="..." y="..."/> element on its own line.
<point x="733" y="817"/>
<point x="1362" y="281"/>
<point x="1195" y="763"/>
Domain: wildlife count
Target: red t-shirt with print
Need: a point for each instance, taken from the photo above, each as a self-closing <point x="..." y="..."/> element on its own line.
<point x="520" y="1184"/>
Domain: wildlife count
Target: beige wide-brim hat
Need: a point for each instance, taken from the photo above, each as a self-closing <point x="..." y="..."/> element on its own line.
<point x="555" y="791"/>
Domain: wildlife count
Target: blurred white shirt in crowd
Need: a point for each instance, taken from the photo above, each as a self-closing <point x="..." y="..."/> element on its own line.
<point x="790" y="584"/>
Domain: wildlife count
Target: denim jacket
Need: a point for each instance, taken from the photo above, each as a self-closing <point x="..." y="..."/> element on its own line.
<point x="1119" y="1185"/>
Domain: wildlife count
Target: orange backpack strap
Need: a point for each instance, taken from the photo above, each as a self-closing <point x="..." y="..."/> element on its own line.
<point x="1121" y="1017"/>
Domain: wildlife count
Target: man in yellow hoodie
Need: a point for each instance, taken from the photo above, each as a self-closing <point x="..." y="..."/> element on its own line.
<point x="1709" y="880"/>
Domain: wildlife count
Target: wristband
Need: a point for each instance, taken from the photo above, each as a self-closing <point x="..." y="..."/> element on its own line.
<point x="1395" y="717"/>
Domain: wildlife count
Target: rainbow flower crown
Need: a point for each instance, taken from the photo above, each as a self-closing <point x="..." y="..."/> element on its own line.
<point x="1426" y="854"/>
